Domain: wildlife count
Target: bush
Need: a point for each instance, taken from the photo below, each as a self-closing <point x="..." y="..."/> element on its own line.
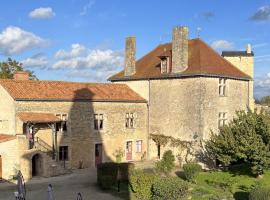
<point x="260" y="193"/>
<point x="141" y="184"/>
<point x="106" y="182"/>
<point x="232" y="143"/>
<point x="169" y="188"/>
<point x="105" y="170"/>
<point x="167" y="163"/>
<point x="191" y="170"/>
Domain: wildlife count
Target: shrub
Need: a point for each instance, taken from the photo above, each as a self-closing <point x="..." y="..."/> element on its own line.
<point x="260" y="193"/>
<point x="111" y="170"/>
<point x="232" y="144"/>
<point x="141" y="184"/>
<point x="167" y="163"/>
<point x="169" y="188"/>
<point x="191" y="170"/>
<point x="106" y="182"/>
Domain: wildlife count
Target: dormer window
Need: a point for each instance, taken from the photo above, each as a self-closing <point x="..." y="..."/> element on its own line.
<point x="164" y="68"/>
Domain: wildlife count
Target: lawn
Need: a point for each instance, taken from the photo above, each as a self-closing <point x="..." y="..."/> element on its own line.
<point x="229" y="185"/>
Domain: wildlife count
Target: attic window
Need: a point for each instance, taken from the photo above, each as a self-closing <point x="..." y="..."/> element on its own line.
<point x="164" y="65"/>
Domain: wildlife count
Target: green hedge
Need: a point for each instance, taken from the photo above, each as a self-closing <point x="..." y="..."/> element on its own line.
<point x="141" y="184"/>
<point x="107" y="173"/>
<point x="260" y="193"/>
<point x="191" y="170"/>
<point x="169" y="188"/>
<point x="167" y="162"/>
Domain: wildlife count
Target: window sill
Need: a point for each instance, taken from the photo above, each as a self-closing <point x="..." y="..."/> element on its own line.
<point x="223" y="96"/>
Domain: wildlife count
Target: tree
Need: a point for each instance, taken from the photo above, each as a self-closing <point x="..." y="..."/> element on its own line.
<point x="244" y="140"/>
<point x="9" y="67"/>
<point x="265" y="100"/>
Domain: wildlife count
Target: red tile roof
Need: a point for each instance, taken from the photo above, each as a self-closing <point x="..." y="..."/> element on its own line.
<point x="68" y="91"/>
<point x="5" y="138"/>
<point x="202" y="60"/>
<point x="37" y="117"/>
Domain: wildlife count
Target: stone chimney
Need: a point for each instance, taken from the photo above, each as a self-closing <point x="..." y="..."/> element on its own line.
<point x="130" y="56"/>
<point x="179" y="49"/>
<point x="21" y="75"/>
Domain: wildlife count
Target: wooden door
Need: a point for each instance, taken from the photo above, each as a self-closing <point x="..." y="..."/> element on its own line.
<point x="98" y="154"/>
<point x="129" y="150"/>
<point x="0" y="167"/>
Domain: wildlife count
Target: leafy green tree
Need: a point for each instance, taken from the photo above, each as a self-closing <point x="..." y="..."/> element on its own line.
<point x="265" y="100"/>
<point x="9" y="67"/>
<point x="244" y="140"/>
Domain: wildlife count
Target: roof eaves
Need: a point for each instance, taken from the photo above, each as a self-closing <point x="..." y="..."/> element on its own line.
<point x="167" y="76"/>
<point x="83" y="100"/>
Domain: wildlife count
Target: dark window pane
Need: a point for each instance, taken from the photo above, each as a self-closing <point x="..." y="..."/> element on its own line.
<point x="64" y="126"/>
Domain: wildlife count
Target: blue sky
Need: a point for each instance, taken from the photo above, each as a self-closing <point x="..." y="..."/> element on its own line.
<point x="83" y="40"/>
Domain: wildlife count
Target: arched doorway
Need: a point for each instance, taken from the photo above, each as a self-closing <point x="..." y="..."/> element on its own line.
<point x="36" y="165"/>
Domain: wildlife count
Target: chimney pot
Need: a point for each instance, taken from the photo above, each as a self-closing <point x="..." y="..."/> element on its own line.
<point x="179" y="49"/>
<point x="21" y="75"/>
<point x="249" y="49"/>
<point x="130" y="56"/>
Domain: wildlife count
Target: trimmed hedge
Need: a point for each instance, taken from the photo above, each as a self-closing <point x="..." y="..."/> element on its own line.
<point x="141" y="184"/>
<point x="107" y="173"/>
<point x="170" y="188"/>
<point x="191" y="171"/>
<point x="260" y="193"/>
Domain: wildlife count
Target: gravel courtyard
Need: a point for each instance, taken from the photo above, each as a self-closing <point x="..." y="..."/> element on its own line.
<point x="65" y="187"/>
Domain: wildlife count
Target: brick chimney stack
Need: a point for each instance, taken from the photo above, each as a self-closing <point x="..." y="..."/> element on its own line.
<point x="130" y="56"/>
<point x="179" y="49"/>
<point x="21" y="75"/>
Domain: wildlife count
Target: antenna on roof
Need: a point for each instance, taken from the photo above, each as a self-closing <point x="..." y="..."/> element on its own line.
<point x="199" y="29"/>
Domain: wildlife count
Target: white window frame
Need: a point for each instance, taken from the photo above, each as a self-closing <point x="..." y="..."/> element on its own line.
<point x="64" y="119"/>
<point x="130" y="120"/>
<point x="222" y="119"/>
<point x="139" y="147"/>
<point x="222" y="87"/>
<point x="100" y="118"/>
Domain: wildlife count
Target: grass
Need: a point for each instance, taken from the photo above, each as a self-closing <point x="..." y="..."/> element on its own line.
<point x="213" y="185"/>
<point x="216" y="185"/>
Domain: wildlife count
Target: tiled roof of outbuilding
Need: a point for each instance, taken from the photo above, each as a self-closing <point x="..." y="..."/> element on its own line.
<point x="38" y="117"/>
<point x="68" y="91"/>
<point x="5" y="138"/>
<point x="202" y="60"/>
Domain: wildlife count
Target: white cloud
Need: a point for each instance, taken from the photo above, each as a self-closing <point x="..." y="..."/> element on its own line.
<point x="222" y="44"/>
<point x="38" y="60"/>
<point x="83" y="62"/>
<point x="42" y="13"/>
<point x="87" y="7"/>
<point x="262" y="86"/>
<point x="14" y="40"/>
<point x="262" y="14"/>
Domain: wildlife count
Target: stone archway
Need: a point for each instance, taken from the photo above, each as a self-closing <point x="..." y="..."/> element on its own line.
<point x="37" y="168"/>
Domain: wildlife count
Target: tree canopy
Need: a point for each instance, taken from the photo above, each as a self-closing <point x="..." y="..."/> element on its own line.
<point x="245" y="139"/>
<point x="9" y="67"/>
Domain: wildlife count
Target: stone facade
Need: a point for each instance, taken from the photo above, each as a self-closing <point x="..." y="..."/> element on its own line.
<point x="130" y="59"/>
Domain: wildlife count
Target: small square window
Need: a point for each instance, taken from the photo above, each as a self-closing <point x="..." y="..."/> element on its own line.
<point x="130" y="120"/>
<point x="98" y="121"/>
<point x="222" y="119"/>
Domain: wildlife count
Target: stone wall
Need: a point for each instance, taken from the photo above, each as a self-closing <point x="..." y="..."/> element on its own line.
<point x="81" y="136"/>
<point x="10" y="158"/>
<point x="188" y="108"/>
<point x="7" y="113"/>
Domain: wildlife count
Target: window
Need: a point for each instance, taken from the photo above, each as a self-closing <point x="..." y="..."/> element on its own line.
<point x="62" y="126"/>
<point x="139" y="146"/>
<point x="98" y="121"/>
<point x="164" y="65"/>
<point x="222" y="87"/>
<point x="63" y="153"/>
<point x="222" y="119"/>
<point x="130" y="120"/>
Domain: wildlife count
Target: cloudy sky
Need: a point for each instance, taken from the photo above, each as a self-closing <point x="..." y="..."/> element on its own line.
<point x="83" y="40"/>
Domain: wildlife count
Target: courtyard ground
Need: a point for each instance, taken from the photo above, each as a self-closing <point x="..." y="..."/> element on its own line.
<point x="65" y="187"/>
